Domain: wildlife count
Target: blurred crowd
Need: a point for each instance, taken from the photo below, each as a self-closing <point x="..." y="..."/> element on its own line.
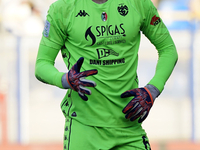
<point x="195" y="8"/>
<point x="23" y="17"/>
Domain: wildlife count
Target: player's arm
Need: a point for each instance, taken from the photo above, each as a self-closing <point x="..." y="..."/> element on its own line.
<point x="54" y="36"/>
<point x="44" y="67"/>
<point x="52" y="40"/>
<point x="73" y="79"/>
<point x="155" y="30"/>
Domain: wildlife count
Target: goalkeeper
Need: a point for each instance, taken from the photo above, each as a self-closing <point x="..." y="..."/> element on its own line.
<point x="99" y="41"/>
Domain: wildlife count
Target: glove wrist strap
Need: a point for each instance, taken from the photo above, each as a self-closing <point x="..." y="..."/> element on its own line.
<point x="64" y="81"/>
<point x="153" y="90"/>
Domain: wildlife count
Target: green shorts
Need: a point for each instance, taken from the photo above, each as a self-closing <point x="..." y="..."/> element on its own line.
<point x="78" y="136"/>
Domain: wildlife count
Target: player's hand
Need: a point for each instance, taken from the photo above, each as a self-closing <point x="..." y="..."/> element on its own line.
<point x="139" y="106"/>
<point x="77" y="81"/>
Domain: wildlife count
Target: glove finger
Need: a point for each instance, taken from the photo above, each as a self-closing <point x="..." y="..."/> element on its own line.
<point x="137" y="114"/>
<point x="133" y="112"/>
<point x="84" y="90"/>
<point x="88" y="73"/>
<point x="129" y="93"/>
<point x="85" y="98"/>
<point x="135" y="117"/>
<point x="131" y="106"/>
<point x="78" y="64"/>
<point x="143" y="117"/>
<point x="88" y="83"/>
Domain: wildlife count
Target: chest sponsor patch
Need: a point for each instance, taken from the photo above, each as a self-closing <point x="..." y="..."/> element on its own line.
<point x="46" y="29"/>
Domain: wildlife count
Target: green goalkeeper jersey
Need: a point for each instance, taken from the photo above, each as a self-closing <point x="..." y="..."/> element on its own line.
<point x="108" y="37"/>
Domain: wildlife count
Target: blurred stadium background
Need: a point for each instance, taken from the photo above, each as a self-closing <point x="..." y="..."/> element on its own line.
<point x="30" y="115"/>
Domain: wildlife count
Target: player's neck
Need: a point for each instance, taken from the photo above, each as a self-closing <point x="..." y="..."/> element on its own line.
<point x="99" y="1"/>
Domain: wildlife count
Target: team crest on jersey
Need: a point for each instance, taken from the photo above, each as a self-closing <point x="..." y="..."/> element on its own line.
<point x="122" y="9"/>
<point x="104" y="16"/>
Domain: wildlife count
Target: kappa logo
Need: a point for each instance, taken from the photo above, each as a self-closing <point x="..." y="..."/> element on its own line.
<point x="122" y="9"/>
<point x="155" y="20"/>
<point x="146" y="143"/>
<point x="106" y="52"/>
<point x="82" y="13"/>
<point x="64" y="55"/>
